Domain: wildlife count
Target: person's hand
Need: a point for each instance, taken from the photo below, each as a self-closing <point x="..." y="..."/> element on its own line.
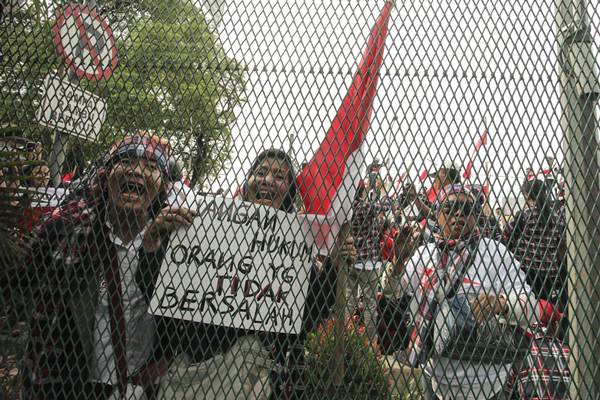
<point x="487" y="305"/>
<point x="423" y="206"/>
<point x="407" y="239"/>
<point x="344" y="252"/>
<point x="168" y="220"/>
<point x="132" y="392"/>
<point x="411" y="191"/>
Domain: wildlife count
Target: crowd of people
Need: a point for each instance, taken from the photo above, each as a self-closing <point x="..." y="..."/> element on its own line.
<point x="463" y="281"/>
<point x="463" y="273"/>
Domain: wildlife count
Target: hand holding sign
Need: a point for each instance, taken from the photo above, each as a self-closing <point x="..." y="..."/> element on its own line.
<point x="168" y="220"/>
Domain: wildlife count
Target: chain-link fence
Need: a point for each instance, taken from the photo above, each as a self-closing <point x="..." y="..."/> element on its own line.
<point x="284" y="200"/>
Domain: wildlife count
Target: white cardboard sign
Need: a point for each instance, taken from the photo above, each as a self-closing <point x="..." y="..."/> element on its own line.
<point x="66" y="107"/>
<point x="239" y="265"/>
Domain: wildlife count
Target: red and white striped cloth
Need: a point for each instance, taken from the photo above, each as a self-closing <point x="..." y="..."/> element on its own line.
<point x="328" y="182"/>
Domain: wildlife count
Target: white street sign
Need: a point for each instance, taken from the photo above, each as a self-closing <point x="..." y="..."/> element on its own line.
<point x="66" y="107"/>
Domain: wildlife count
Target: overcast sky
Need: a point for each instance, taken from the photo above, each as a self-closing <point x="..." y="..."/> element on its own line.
<point x="499" y="64"/>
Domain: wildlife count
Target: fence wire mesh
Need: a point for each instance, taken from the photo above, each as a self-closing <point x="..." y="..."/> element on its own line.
<point x="299" y="200"/>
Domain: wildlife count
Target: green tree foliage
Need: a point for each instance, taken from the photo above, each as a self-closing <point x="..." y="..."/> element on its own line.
<point x="173" y="77"/>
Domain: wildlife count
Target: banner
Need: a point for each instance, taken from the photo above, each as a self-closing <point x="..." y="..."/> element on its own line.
<point x="239" y="265"/>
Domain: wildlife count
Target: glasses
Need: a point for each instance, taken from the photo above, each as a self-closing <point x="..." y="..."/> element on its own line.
<point x="467" y="208"/>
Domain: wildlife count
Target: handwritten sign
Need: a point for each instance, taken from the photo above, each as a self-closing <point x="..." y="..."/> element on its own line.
<point x="239" y="265"/>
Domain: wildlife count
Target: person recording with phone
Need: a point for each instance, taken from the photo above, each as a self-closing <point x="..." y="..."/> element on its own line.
<point x="460" y="284"/>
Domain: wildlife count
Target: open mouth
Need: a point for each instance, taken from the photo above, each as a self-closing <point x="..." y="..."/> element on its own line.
<point x="133" y="188"/>
<point x="264" y="195"/>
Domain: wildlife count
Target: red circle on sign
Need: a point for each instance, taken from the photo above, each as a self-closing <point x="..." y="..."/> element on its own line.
<point x="94" y="69"/>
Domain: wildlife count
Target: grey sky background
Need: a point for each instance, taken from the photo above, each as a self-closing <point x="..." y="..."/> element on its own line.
<point x="450" y="69"/>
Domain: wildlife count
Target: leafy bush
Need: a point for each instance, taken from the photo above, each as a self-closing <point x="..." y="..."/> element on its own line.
<point x="365" y="376"/>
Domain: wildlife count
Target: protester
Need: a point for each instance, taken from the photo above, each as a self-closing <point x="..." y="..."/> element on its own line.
<point x="501" y="218"/>
<point x="536" y="237"/>
<point x="480" y="270"/>
<point x="40" y="176"/>
<point x="230" y="363"/>
<point x="92" y="273"/>
<point x="18" y="156"/>
<point x="487" y="223"/>
<point x="9" y="185"/>
<point x="374" y="182"/>
<point x="13" y="227"/>
<point x="446" y="174"/>
<point x="368" y="232"/>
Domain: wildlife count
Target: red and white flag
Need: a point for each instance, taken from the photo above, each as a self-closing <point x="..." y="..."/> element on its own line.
<point x="542" y="174"/>
<point x="328" y="182"/>
<point x="43" y="201"/>
<point x="481" y="141"/>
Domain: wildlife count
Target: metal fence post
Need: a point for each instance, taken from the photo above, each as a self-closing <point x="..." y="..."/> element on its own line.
<point x="578" y="99"/>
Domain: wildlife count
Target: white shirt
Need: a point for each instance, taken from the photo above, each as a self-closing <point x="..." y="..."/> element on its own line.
<point x="368" y="265"/>
<point x="411" y="212"/>
<point x="493" y="271"/>
<point x="139" y="325"/>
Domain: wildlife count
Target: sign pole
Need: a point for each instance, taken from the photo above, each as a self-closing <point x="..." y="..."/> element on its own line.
<point x="95" y="59"/>
<point x="56" y="158"/>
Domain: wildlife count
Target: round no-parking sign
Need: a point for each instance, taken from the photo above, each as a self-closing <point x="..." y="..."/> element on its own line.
<point x="84" y="39"/>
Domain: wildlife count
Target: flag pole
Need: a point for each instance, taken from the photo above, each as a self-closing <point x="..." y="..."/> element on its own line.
<point x="373" y="63"/>
<point x="340" y="310"/>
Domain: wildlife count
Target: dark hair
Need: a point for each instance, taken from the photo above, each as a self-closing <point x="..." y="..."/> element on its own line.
<point x="536" y="190"/>
<point x="452" y="176"/>
<point x="360" y="192"/>
<point x="288" y="201"/>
